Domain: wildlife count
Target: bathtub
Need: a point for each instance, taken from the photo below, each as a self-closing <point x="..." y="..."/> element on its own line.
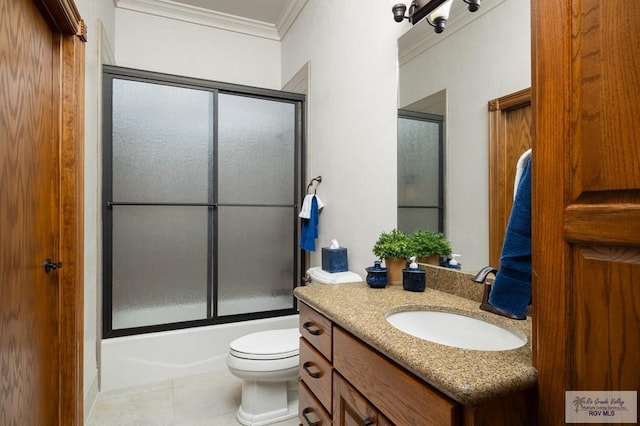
<point x="147" y="358"/>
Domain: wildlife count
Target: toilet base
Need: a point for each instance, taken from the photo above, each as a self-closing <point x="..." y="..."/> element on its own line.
<point x="264" y="403"/>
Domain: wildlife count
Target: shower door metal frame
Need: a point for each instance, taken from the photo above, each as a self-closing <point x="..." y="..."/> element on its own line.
<point x="298" y="100"/>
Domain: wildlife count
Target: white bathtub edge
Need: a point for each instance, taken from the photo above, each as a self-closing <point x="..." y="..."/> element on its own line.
<point x="148" y="358"/>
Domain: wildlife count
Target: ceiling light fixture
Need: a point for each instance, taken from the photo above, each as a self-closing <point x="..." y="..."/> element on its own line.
<point x="436" y="12"/>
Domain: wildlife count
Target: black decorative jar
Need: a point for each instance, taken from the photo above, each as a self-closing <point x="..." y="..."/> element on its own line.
<point x="377" y="276"/>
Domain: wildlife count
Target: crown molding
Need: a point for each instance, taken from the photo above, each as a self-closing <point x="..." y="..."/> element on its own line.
<point x="196" y="15"/>
<point x="289" y="15"/>
<point x="421" y="37"/>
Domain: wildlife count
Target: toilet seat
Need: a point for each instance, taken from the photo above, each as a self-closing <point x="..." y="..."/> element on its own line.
<point x="266" y="347"/>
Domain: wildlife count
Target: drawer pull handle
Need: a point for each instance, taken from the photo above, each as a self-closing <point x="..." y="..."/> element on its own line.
<point x="312" y="329"/>
<point x="306" y="419"/>
<point x="314" y="374"/>
<point x="368" y="422"/>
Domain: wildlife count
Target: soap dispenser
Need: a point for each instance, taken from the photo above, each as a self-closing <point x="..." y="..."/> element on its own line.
<point x="453" y="263"/>
<point x="413" y="278"/>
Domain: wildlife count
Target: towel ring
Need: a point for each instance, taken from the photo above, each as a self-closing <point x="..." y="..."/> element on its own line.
<point x="315" y="179"/>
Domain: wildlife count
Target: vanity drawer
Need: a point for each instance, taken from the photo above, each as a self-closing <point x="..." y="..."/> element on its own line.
<point x="316" y="373"/>
<point x="400" y="396"/>
<point x="310" y="411"/>
<point x="316" y="329"/>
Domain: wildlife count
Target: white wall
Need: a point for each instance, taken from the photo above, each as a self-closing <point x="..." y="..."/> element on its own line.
<point x="489" y="58"/>
<point x="99" y="17"/>
<point x="171" y="46"/>
<point x="352" y="108"/>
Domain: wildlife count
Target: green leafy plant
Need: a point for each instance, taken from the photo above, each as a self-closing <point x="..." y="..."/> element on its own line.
<point x="425" y="243"/>
<point x="393" y="244"/>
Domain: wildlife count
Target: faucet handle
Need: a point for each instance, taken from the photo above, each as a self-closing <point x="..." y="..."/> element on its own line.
<point x="481" y="278"/>
<point x="482" y="275"/>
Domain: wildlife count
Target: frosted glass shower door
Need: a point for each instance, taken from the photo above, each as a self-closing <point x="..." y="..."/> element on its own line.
<point x="256" y="214"/>
<point x="419" y="174"/>
<point x="201" y="182"/>
<point x="161" y="167"/>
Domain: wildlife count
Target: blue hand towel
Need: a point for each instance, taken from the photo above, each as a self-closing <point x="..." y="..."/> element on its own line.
<point x="309" y="228"/>
<point x="511" y="290"/>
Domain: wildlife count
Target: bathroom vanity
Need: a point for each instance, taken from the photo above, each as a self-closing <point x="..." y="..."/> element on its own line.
<point x="355" y="368"/>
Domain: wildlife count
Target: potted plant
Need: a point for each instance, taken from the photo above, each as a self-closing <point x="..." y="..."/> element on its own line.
<point x="394" y="247"/>
<point x="429" y="246"/>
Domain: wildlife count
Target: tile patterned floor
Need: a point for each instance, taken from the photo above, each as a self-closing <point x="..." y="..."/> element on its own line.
<point x="208" y="399"/>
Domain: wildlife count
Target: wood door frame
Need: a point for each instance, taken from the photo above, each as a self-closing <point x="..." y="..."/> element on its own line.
<point x="70" y="35"/>
<point x="500" y="187"/>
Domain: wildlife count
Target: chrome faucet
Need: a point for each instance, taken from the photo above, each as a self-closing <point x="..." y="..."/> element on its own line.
<point x="481" y="278"/>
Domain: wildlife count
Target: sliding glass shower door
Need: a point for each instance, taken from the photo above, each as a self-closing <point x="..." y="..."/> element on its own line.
<point x="256" y="148"/>
<point x="201" y="187"/>
<point x="161" y="166"/>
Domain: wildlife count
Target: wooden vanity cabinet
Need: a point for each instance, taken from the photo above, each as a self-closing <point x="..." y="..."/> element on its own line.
<point x="343" y="382"/>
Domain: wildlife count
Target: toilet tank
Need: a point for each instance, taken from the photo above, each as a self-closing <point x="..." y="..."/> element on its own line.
<point x="317" y="276"/>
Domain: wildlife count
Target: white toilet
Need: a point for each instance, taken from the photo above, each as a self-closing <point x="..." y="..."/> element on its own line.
<point x="267" y="362"/>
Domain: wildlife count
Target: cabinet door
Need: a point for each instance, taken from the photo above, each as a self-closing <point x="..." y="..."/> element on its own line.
<point x="351" y="408"/>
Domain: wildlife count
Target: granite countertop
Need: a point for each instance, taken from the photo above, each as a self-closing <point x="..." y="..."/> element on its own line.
<point x="468" y="376"/>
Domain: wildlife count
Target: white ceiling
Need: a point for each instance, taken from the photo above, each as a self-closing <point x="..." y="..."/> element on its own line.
<point x="261" y="18"/>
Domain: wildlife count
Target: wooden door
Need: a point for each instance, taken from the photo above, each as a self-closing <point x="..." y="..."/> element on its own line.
<point x="586" y="198"/>
<point x="30" y="219"/>
<point x="40" y="133"/>
<point x="509" y="138"/>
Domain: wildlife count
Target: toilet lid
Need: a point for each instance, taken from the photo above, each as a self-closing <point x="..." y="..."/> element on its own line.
<point x="270" y="344"/>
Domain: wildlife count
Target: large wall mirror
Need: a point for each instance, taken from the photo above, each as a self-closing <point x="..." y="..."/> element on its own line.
<point x="480" y="56"/>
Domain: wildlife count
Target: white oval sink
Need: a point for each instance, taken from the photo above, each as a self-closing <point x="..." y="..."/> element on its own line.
<point x="455" y="330"/>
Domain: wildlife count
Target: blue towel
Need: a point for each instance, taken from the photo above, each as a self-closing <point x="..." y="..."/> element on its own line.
<point x="511" y="291"/>
<point x="309" y="229"/>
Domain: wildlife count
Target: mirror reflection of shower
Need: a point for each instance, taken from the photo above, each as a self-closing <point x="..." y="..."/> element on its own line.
<point x="421" y="164"/>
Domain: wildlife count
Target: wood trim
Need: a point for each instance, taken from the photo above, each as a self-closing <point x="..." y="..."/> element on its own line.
<point x="500" y="184"/>
<point x="603" y="224"/>
<point x="551" y="83"/>
<point x="63" y="17"/>
<point x="72" y="230"/>
<point x="514" y="100"/>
